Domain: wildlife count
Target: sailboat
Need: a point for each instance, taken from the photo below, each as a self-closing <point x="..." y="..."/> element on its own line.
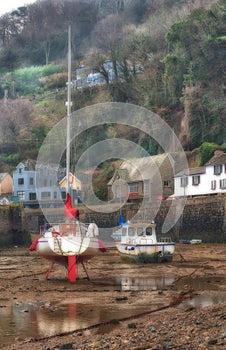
<point x="71" y="242"/>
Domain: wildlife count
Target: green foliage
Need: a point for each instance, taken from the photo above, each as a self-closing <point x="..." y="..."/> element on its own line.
<point x="207" y="119"/>
<point x="183" y="74"/>
<point x="29" y="79"/>
<point x="39" y="133"/>
<point x="207" y="150"/>
<point x="11" y="159"/>
<point x="196" y="38"/>
<point x="196" y="60"/>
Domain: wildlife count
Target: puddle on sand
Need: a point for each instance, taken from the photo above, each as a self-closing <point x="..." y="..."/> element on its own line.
<point x="40" y="320"/>
<point x="138" y="284"/>
<point x="21" y="320"/>
<point x="43" y="319"/>
<point x="203" y="300"/>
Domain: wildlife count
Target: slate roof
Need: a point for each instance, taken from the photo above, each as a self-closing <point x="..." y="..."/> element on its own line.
<point x="217" y="159"/>
<point x="138" y="169"/>
<point x="2" y="175"/>
<point x="192" y="171"/>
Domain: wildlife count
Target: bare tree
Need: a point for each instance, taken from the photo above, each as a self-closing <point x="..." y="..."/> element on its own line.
<point x="15" y="120"/>
<point x="108" y="36"/>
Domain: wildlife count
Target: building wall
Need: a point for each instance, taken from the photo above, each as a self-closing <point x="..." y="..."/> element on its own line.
<point x="204" y="186"/>
<point x="36" y="187"/>
<point x="6" y="186"/>
<point x="211" y="176"/>
<point x="27" y="186"/>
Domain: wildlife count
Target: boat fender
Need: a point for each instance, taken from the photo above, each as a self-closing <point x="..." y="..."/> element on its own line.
<point x="34" y="245"/>
<point x="92" y="230"/>
<point x="102" y="246"/>
<point x="54" y="232"/>
<point x="130" y="248"/>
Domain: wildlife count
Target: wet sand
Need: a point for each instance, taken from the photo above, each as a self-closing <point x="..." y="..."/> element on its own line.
<point x="166" y="317"/>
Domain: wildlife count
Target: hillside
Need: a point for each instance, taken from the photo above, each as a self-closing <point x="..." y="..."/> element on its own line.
<point x="166" y="56"/>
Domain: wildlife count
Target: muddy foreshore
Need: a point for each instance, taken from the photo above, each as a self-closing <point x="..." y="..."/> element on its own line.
<point x="163" y="321"/>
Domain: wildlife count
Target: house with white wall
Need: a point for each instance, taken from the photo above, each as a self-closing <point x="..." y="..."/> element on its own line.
<point x="24" y="181"/>
<point x="28" y="189"/>
<point x="206" y="180"/>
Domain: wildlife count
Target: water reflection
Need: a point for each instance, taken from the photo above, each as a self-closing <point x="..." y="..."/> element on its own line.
<point x="40" y="319"/>
<point x="139" y="284"/>
<point x="203" y="300"/>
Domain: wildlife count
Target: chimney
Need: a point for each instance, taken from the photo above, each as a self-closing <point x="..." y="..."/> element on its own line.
<point x="218" y="153"/>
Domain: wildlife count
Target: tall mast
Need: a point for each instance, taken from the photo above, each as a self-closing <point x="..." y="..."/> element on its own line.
<point x="68" y="111"/>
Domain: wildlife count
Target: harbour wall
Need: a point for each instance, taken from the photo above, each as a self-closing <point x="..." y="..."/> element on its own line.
<point x="13" y="230"/>
<point x="202" y="218"/>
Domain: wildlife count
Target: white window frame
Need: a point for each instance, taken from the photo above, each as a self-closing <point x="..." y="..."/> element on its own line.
<point x="223" y="184"/>
<point x="217" y="169"/>
<point x="183" y="181"/>
<point x="133" y="188"/>
<point x="195" y="180"/>
<point x="213" y="185"/>
<point x="21" y="195"/>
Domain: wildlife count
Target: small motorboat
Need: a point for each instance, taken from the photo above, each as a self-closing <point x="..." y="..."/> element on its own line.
<point x="139" y="244"/>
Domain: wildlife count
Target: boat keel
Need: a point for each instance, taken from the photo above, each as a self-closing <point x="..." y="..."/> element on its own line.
<point x="72" y="268"/>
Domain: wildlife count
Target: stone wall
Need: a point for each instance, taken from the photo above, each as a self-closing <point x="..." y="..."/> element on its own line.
<point x="12" y="229"/>
<point x="203" y="218"/>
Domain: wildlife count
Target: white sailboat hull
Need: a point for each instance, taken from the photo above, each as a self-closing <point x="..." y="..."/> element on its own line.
<point x="71" y="240"/>
<point x="67" y="246"/>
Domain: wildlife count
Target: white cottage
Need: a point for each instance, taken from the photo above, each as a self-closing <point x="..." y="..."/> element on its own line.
<point x="206" y="180"/>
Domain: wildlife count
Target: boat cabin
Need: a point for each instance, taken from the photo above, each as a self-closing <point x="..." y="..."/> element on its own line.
<point x="137" y="233"/>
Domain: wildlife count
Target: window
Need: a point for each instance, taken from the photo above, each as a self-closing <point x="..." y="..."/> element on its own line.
<point x="146" y="187"/>
<point x="140" y="231"/>
<point x="149" y="231"/>
<point x="213" y="184"/>
<point x="20" y="170"/>
<point x="223" y="184"/>
<point x="166" y="183"/>
<point x="133" y="188"/>
<point x="21" y="195"/>
<point x="124" y="231"/>
<point x="45" y="183"/>
<point x="131" y="231"/>
<point x="21" y="181"/>
<point x="45" y="195"/>
<point x="217" y="169"/>
<point x="195" y="180"/>
<point x="183" y="181"/>
<point x="118" y="191"/>
<point x="31" y="181"/>
<point x="32" y="196"/>
<point x="55" y="195"/>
